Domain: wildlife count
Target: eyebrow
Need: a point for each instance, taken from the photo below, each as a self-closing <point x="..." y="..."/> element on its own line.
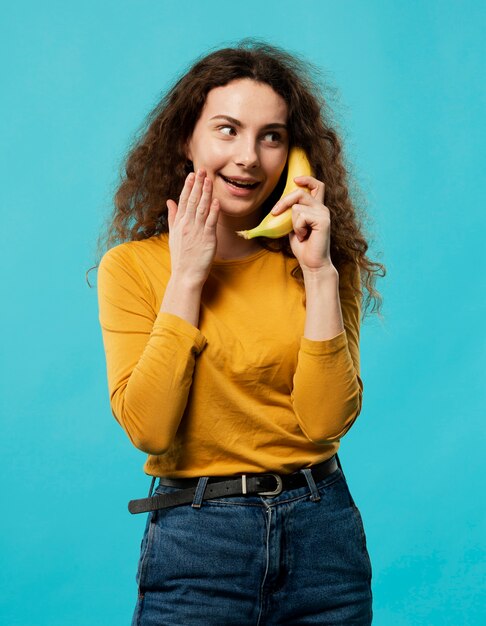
<point x="238" y="123"/>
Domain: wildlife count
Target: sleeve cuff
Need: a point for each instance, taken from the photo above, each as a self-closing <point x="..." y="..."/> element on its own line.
<point x="327" y="346"/>
<point x="181" y="327"/>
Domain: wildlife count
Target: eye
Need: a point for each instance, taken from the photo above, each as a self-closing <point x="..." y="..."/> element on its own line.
<point x="221" y="128"/>
<point x="277" y="135"/>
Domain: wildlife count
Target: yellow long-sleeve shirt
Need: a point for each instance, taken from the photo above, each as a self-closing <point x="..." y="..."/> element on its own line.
<point x="245" y="392"/>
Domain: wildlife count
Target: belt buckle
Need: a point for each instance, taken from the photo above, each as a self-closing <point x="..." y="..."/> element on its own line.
<point x="277" y="490"/>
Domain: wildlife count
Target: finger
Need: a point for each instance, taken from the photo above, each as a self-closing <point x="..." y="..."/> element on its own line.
<point x="305" y="219"/>
<point x="212" y="218"/>
<point x="204" y="203"/>
<point x="195" y="194"/>
<point x="172" y="210"/>
<point x="316" y="187"/>
<point x="185" y="193"/>
<point x="289" y="200"/>
<point x="300" y="225"/>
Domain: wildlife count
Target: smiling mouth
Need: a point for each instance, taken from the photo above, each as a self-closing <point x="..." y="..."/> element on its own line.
<point x="238" y="184"/>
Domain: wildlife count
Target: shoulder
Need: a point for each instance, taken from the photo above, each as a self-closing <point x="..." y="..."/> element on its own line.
<point x="119" y="254"/>
<point x="134" y="255"/>
<point x="134" y="266"/>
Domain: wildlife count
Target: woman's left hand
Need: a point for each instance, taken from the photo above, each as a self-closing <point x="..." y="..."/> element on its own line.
<point x="310" y="241"/>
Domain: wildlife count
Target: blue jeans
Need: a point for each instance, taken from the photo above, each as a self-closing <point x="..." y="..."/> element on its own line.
<point x="296" y="558"/>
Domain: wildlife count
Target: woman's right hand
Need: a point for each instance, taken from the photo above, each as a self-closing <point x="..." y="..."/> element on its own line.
<point x="192" y="229"/>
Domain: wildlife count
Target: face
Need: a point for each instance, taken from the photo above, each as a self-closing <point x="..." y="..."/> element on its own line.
<point x="252" y="146"/>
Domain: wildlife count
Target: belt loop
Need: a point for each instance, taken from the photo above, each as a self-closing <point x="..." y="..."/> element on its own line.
<point x="315" y="495"/>
<point x="199" y="494"/>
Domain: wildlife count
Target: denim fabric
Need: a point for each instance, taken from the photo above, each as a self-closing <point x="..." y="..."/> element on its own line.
<point x="296" y="558"/>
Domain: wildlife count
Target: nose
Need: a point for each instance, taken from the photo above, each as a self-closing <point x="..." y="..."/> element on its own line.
<point x="247" y="154"/>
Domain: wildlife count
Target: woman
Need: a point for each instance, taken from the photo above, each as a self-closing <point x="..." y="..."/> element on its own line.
<point x="234" y="363"/>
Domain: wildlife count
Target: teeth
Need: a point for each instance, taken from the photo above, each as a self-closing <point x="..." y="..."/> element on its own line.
<point x="239" y="183"/>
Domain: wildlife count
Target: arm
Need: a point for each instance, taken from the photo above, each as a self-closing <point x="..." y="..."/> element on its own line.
<point x="150" y="356"/>
<point x="328" y="390"/>
<point x="182" y="298"/>
<point x="322" y="296"/>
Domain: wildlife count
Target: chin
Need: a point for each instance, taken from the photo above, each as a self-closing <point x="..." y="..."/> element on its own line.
<point x="239" y="212"/>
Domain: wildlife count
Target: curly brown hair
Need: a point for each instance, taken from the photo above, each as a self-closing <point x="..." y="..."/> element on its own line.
<point x="156" y="165"/>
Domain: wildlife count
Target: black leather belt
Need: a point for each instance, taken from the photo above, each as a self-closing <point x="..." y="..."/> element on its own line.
<point x="220" y="486"/>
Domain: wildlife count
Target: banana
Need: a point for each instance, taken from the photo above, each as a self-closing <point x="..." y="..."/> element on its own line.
<point x="275" y="226"/>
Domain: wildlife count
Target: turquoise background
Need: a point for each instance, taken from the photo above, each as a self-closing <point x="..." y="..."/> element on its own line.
<point x="78" y="80"/>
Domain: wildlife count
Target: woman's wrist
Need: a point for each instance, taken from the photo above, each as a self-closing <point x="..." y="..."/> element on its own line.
<point x="323" y="307"/>
<point x="187" y="282"/>
<point x="314" y="278"/>
<point x="182" y="297"/>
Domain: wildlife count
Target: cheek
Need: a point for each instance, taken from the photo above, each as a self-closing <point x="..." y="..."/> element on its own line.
<point x="277" y="176"/>
<point x="273" y="182"/>
<point x="278" y="167"/>
<point x="213" y="149"/>
<point x="214" y="162"/>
